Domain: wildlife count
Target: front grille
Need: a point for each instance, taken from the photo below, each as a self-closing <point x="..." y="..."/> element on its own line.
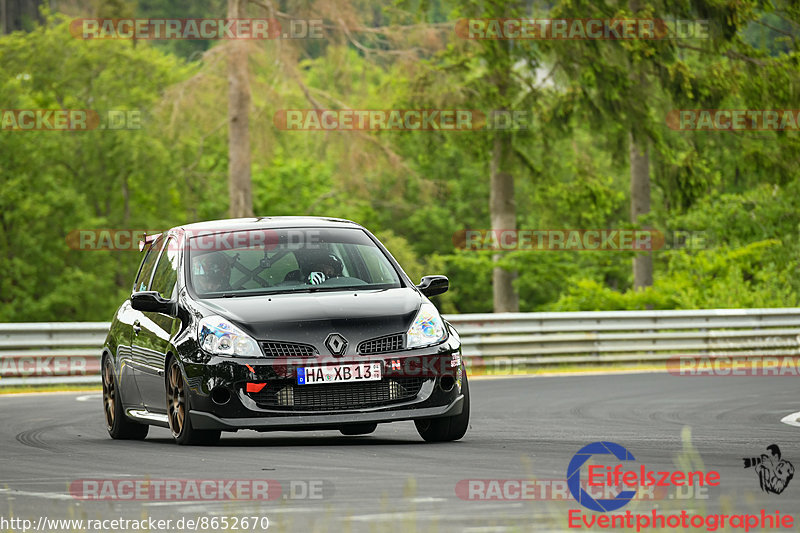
<point x="389" y="343"/>
<point x="288" y="349"/>
<point x="337" y="396"/>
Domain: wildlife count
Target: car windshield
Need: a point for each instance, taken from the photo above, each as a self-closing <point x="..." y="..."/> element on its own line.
<point x="271" y="261"/>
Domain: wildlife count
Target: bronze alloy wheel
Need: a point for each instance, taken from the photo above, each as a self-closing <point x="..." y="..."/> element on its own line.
<point x="109" y="393"/>
<point x="119" y="426"/>
<point x="176" y="399"/>
<point x="178" y="411"/>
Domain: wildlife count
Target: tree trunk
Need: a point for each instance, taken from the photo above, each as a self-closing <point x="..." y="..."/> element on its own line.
<point x="640" y="205"/>
<point x="3" y="16"/>
<point x="503" y="212"/>
<point x="239" y="181"/>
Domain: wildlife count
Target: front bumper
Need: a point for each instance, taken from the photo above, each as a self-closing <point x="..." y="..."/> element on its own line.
<point x="414" y="389"/>
<point x="204" y="420"/>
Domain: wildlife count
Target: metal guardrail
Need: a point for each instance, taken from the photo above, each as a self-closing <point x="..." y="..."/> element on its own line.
<point x="512" y="340"/>
<point x="43" y="353"/>
<point x="68" y="353"/>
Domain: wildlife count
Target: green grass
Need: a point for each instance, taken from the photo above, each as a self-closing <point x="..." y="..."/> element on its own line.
<point x="20" y="389"/>
<point x="565" y="369"/>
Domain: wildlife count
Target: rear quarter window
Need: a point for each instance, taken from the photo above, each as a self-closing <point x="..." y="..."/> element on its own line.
<point x="166" y="273"/>
<point x="142" y="282"/>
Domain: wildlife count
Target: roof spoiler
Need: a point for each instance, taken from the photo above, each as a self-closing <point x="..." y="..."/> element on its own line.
<point x="147" y="239"/>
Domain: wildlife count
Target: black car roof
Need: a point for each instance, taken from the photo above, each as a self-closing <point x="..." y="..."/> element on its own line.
<point x="256" y="223"/>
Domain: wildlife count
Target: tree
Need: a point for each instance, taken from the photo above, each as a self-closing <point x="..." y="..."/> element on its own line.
<point x="631" y="83"/>
<point x="19" y="15"/>
<point x="494" y="76"/>
<point x="640" y="207"/>
<point x="239" y="180"/>
<point x="53" y="183"/>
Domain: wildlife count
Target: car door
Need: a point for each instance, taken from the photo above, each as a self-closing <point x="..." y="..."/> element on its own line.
<point x="151" y="339"/>
<point x="131" y="319"/>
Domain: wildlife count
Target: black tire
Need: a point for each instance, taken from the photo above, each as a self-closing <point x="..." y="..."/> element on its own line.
<point x="178" y="409"/>
<point x="358" y="429"/>
<point x="446" y="428"/>
<point x="118" y="425"/>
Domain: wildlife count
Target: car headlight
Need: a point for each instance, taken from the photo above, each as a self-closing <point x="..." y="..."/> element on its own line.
<point x="427" y="328"/>
<point x="218" y="336"/>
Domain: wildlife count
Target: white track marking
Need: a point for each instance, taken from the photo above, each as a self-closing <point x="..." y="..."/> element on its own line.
<point x="379" y="517"/>
<point x="89" y="397"/>
<point x="11" y="394"/>
<point x="417" y="514"/>
<point x="189" y="507"/>
<point x="47" y="495"/>
<point x="792" y="419"/>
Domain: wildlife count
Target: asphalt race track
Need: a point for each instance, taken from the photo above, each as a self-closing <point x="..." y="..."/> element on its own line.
<point x="522" y="428"/>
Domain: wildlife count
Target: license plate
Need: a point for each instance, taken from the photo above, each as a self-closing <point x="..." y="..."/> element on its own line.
<point x="314" y="375"/>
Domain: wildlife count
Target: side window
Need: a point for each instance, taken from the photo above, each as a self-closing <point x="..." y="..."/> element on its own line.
<point x="166" y="274"/>
<point x="143" y="279"/>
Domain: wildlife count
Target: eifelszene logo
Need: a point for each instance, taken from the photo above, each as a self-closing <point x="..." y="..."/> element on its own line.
<point x="574" y="476"/>
<point x="774" y="473"/>
<point x="631" y="479"/>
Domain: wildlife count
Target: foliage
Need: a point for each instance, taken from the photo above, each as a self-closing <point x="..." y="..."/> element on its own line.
<point x="414" y="190"/>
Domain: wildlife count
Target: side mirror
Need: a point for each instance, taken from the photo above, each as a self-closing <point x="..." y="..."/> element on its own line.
<point x="433" y="285"/>
<point x="151" y="301"/>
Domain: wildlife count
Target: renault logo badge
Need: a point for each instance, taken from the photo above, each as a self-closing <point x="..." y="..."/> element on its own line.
<point x="336" y="344"/>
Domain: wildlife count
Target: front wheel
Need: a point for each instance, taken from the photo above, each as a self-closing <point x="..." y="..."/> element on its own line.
<point x="178" y="410"/>
<point x="446" y="428"/>
<point x="119" y="426"/>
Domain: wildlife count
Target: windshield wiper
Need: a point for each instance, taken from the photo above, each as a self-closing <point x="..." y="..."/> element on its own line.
<point x="297" y="290"/>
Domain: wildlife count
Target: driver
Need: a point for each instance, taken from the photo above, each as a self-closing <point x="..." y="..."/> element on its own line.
<point x="213" y="273"/>
<point x="325" y="269"/>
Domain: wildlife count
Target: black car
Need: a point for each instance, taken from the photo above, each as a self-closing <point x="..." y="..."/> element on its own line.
<point x="279" y="323"/>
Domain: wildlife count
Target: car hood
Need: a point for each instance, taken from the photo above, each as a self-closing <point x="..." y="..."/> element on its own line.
<point x="311" y="317"/>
